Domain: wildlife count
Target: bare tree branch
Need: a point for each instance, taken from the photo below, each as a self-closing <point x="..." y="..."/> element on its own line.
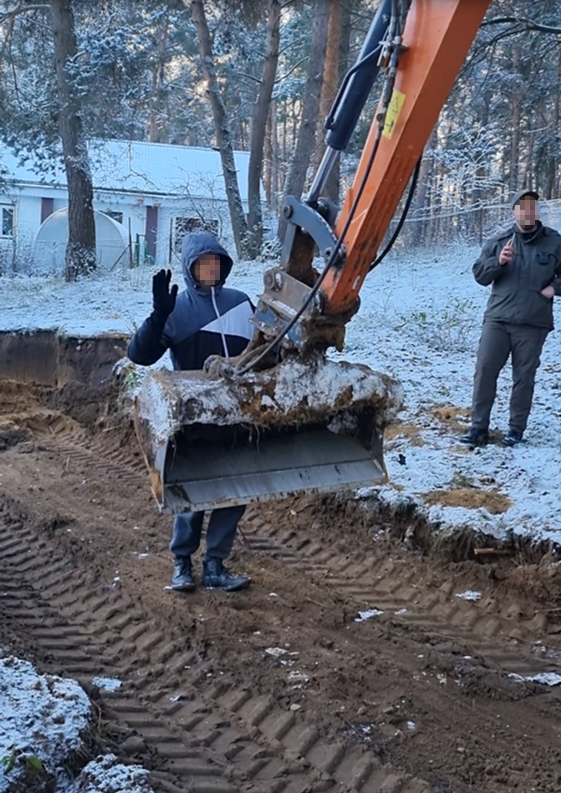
<point x="8" y="15"/>
<point x="484" y="46"/>
<point x="292" y="69"/>
<point x="528" y="23"/>
<point x="10" y="18"/>
<point x="246" y="76"/>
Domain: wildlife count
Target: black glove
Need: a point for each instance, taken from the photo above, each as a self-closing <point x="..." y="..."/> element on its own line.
<point x="162" y="299"/>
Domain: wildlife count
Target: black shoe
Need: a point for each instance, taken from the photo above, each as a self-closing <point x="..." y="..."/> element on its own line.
<point x="513" y="438"/>
<point x="475" y="437"/>
<point x="182" y="579"/>
<point x="215" y="576"/>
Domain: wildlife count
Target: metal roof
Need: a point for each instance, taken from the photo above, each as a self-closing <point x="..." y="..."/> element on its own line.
<point x="138" y="167"/>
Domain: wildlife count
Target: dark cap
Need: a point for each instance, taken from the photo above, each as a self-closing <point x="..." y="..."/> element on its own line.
<point x="521" y="195"/>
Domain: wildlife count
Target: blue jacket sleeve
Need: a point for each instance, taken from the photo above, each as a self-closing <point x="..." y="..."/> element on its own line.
<point x="149" y="342"/>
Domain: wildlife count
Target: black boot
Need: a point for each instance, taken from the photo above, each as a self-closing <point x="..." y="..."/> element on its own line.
<point x="513" y="438"/>
<point x="475" y="437"/>
<point x="182" y="579"/>
<point x="215" y="576"/>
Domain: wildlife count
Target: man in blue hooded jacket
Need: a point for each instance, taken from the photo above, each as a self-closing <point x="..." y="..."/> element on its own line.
<point x="205" y="319"/>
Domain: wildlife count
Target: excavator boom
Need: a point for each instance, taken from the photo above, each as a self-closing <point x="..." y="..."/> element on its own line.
<point x="428" y="55"/>
<point x="436" y="41"/>
<point x="284" y="418"/>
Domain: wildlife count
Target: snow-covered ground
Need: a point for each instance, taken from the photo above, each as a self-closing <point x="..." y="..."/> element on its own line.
<point x="44" y="720"/>
<point x="419" y="321"/>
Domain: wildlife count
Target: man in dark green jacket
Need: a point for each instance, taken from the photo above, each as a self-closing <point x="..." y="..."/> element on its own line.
<point x="523" y="268"/>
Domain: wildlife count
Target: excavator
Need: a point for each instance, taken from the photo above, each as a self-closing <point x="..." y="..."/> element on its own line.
<point x="285" y="417"/>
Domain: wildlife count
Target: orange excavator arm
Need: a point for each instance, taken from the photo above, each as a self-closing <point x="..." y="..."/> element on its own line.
<point x="437" y="37"/>
<point x="420" y="45"/>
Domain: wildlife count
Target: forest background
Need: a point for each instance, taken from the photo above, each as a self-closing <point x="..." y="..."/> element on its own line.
<point x="261" y="77"/>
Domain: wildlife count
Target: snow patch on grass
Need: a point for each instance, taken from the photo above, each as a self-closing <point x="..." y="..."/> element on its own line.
<point x="42" y="719"/>
<point x="106" y="775"/>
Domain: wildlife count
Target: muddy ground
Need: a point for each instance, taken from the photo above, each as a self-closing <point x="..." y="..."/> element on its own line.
<point x="278" y="688"/>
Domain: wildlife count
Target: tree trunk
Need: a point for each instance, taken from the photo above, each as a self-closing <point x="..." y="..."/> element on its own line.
<point x="516" y="120"/>
<point x="431" y="230"/>
<point x="275" y="159"/>
<point x="155" y="132"/>
<point x="530" y="174"/>
<point x="261" y="113"/>
<point x="333" y="185"/>
<point x="268" y="159"/>
<point x="284" y="137"/>
<point x="480" y="193"/>
<point x="331" y="80"/>
<point x="271" y="161"/>
<point x="222" y="130"/>
<point x="420" y="200"/>
<point x="80" y="252"/>
<point x="306" y="141"/>
<point x="551" y="180"/>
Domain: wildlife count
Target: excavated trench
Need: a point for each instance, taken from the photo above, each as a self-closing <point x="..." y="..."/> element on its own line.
<point x="48" y="358"/>
<point x="357" y="661"/>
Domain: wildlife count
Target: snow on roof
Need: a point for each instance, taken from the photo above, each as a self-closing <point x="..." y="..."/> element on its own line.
<point x="138" y="167"/>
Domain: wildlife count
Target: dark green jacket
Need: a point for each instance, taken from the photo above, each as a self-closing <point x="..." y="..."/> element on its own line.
<point x="516" y="286"/>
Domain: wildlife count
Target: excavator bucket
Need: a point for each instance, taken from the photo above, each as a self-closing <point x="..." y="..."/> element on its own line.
<point x="301" y="427"/>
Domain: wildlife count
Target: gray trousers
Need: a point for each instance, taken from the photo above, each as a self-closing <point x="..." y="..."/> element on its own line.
<point x="222" y="525"/>
<point x="498" y="341"/>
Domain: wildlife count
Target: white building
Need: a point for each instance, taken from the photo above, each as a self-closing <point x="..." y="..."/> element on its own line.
<point x="153" y="192"/>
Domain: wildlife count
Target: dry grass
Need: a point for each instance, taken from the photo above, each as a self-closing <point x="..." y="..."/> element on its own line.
<point x="454" y="417"/>
<point x="493" y="501"/>
<point x="401" y="429"/>
<point x="455" y="546"/>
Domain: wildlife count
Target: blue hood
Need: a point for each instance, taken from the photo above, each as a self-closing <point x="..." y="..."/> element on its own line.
<point x="194" y="246"/>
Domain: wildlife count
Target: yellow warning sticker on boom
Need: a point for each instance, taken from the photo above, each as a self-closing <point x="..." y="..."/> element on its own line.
<point x="396" y="103"/>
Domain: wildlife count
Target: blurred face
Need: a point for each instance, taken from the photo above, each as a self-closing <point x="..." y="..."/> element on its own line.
<point x="527" y="212"/>
<point x="207" y="269"/>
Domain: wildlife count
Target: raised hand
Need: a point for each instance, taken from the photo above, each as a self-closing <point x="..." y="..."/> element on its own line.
<point x="163" y="299"/>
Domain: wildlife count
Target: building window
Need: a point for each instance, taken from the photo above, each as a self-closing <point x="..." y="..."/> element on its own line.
<point x="7" y="220"/>
<point x="183" y="226"/>
<point x="118" y="216"/>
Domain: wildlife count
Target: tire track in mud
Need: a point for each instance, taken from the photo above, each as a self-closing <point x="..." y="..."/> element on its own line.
<point x="208" y="736"/>
<point x="24" y="588"/>
<point x="501" y="640"/>
<point x="497" y="638"/>
<point x="69" y="438"/>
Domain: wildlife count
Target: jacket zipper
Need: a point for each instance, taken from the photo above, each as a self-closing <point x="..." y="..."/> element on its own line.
<point x="219" y="318"/>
